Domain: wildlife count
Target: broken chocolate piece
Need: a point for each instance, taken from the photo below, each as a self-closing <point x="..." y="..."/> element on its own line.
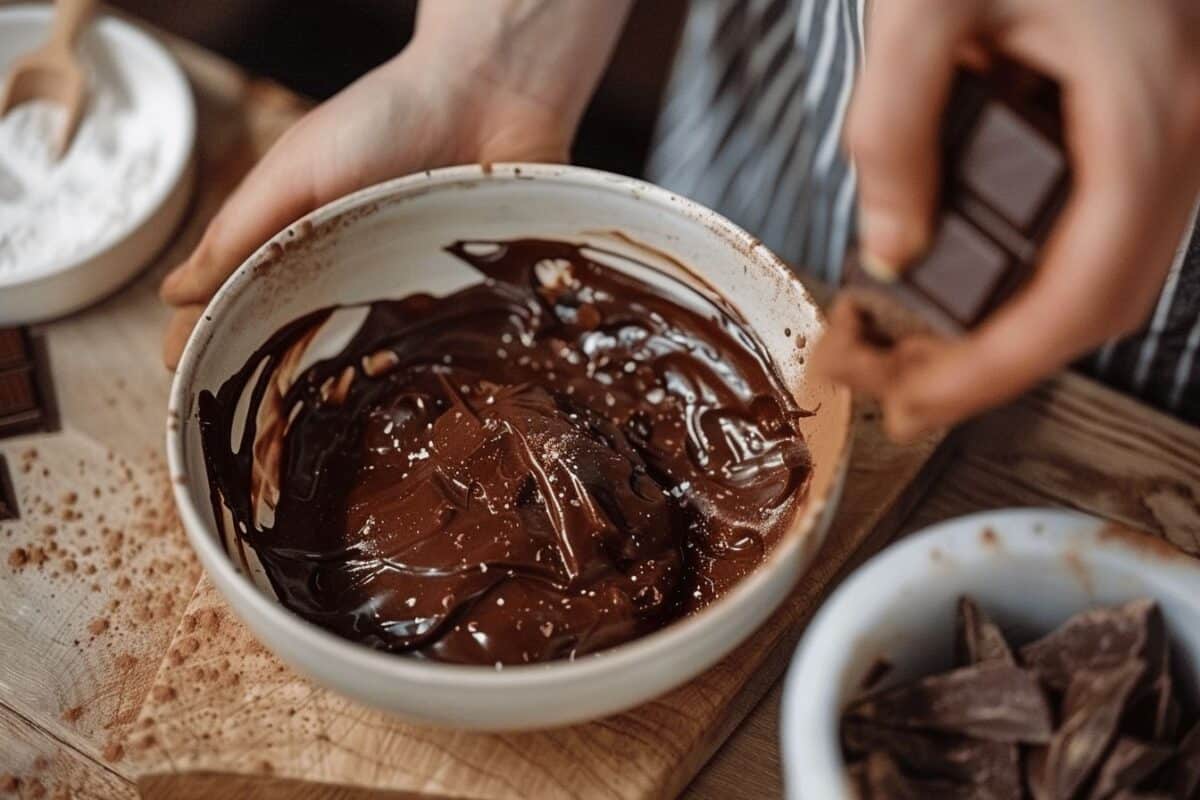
<point x="1091" y="712"/>
<point x="955" y="758"/>
<point x="1129" y="762"/>
<point x="1107" y="678"/>
<point x="1034" y="769"/>
<point x="885" y="781"/>
<point x="1185" y="778"/>
<point x="1005" y="178"/>
<point x="1096" y="640"/>
<point x="979" y="639"/>
<point x="995" y="701"/>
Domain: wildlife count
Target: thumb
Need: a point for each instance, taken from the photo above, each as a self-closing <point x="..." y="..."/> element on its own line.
<point x="894" y="124"/>
<point x="275" y="193"/>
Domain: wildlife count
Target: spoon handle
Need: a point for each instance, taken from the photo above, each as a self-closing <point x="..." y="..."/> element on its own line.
<point x="69" y="18"/>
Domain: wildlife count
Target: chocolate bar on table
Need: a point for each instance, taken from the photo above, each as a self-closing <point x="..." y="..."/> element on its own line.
<point x="1005" y="177"/>
<point x="21" y="403"/>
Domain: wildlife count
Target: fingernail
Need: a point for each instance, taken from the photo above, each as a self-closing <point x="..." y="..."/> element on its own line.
<point x="172" y="280"/>
<point x="887" y="243"/>
<point x="877" y="268"/>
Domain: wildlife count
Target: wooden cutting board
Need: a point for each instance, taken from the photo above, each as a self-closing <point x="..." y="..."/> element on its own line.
<point x="119" y="664"/>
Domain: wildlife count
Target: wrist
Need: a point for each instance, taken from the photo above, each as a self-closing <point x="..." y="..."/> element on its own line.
<point x="484" y="110"/>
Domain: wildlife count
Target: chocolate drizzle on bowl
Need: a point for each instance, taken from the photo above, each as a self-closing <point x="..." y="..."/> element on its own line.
<point x="562" y="457"/>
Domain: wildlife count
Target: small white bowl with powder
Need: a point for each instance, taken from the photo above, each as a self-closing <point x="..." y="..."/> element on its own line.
<point x="74" y="230"/>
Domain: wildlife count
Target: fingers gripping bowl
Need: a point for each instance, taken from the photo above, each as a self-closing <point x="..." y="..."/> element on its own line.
<point x="390" y="242"/>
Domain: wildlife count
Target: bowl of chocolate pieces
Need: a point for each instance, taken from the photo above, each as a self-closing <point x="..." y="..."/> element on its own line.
<point x="1011" y="654"/>
<point x="506" y="446"/>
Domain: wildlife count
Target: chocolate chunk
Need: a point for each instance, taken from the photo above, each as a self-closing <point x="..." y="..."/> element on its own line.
<point x="1091" y="712"/>
<point x="933" y="755"/>
<point x="1107" y="677"/>
<point x="1005" y="177"/>
<point x="994" y="701"/>
<point x="1129" y="762"/>
<point x="1156" y="716"/>
<point x="1096" y="640"/>
<point x="1034" y="769"/>
<point x="883" y="780"/>
<point x="1185" y="777"/>
<point x="979" y="639"/>
<point x="879" y="669"/>
<point x="21" y="408"/>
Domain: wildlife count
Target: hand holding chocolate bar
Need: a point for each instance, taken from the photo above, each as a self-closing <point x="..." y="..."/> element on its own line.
<point x="957" y="208"/>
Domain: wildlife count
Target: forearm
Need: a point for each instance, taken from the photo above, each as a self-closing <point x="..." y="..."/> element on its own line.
<point x="547" y="55"/>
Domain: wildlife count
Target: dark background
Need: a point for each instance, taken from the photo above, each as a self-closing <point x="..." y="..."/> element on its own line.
<point x="316" y="47"/>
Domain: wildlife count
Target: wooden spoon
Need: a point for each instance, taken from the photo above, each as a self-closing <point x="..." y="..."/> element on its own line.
<point x="53" y="71"/>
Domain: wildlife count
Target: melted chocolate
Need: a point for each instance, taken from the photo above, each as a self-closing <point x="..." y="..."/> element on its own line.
<point x="550" y="462"/>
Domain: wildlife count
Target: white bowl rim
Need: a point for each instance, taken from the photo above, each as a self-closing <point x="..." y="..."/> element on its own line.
<point x="128" y="35"/>
<point x="817" y="766"/>
<point x="658" y="644"/>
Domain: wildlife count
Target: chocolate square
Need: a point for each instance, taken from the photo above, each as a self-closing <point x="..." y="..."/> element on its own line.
<point x="1011" y="167"/>
<point x="22" y="407"/>
<point x="961" y="271"/>
<point x="14" y="347"/>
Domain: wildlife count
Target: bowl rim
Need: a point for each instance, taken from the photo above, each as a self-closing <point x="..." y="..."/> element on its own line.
<point x="809" y="710"/>
<point x="813" y="512"/>
<point x="128" y="36"/>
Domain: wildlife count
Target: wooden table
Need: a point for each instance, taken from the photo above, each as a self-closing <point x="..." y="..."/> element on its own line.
<point x="1070" y="443"/>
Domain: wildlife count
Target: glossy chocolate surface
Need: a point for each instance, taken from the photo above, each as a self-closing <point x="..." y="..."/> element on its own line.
<point x="552" y="461"/>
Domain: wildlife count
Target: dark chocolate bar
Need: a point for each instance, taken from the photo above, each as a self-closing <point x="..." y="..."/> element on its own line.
<point x="21" y="406"/>
<point x="1005" y="177"/>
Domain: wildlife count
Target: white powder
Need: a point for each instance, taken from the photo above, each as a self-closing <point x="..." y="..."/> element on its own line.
<point x="53" y="211"/>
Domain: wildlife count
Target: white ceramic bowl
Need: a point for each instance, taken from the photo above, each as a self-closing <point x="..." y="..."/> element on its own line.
<point x="150" y="82"/>
<point x="387" y="241"/>
<point x="1028" y="569"/>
